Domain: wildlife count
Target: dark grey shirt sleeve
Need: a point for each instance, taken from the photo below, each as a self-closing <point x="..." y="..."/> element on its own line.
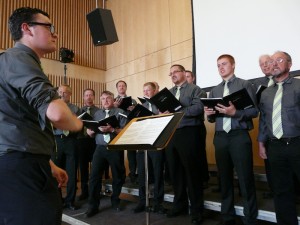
<point x="25" y="95"/>
<point x="192" y="106"/>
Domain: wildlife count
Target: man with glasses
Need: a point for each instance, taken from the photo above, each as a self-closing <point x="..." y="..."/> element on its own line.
<point x="279" y="129"/>
<point x="29" y="107"/>
<point x="184" y="149"/>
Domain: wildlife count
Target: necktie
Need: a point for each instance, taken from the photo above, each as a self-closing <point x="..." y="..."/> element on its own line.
<point x="226" y="120"/>
<point x="150" y="107"/>
<point x="177" y="95"/>
<point x="106" y="136"/>
<point x="66" y="132"/>
<point x="271" y="81"/>
<point x="88" y="110"/>
<point x="276" y="114"/>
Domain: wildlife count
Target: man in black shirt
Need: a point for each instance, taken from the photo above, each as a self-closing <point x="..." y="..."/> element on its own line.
<point x="30" y="105"/>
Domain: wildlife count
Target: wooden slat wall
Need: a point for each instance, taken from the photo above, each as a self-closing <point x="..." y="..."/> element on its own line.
<point x="77" y="86"/>
<point x="69" y="18"/>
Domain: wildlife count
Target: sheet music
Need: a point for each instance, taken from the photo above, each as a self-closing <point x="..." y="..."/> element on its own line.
<point x="144" y="131"/>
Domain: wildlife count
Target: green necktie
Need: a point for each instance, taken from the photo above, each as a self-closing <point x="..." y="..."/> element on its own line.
<point x="276" y="114"/>
<point x="226" y="120"/>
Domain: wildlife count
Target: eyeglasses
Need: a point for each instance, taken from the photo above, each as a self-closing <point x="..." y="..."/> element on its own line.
<point x="278" y="60"/>
<point x="51" y="26"/>
<point x="174" y="72"/>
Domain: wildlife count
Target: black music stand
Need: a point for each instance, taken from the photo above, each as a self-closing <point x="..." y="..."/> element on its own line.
<point x="159" y="144"/>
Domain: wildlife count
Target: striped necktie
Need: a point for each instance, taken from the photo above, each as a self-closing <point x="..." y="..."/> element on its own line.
<point x="106" y="137"/>
<point x="226" y="120"/>
<point x="276" y="114"/>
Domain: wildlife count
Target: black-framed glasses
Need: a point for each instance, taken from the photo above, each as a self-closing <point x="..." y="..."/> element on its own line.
<point x="51" y="26"/>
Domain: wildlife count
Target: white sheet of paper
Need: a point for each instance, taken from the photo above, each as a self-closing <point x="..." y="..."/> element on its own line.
<point x="145" y="131"/>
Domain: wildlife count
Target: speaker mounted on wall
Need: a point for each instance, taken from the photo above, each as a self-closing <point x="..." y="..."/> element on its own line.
<point x="102" y="27"/>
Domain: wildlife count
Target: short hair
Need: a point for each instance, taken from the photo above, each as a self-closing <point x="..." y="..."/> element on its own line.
<point x="180" y="67"/>
<point x="107" y="93"/>
<point x="89" y="89"/>
<point x="19" y="16"/>
<point x="120" y="82"/>
<point x="150" y="84"/>
<point x="229" y="57"/>
<point x="193" y="75"/>
<point x="288" y="57"/>
<point x="67" y="86"/>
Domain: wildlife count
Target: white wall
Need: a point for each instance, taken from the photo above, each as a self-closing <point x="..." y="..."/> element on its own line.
<point x="245" y="30"/>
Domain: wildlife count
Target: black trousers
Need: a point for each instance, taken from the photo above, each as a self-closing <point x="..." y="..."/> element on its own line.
<point x="284" y="158"/>
<point x="66" y="157"/>
<point x="204" y="163"/>
<point x="156" y="159"/>
<point x="233" y="150"/>
<point x="132" y="163"/>
<point x="28" y="191"/>
<point x="184" y="160"/>
<point x="116" y="162"/>
<point x="86" y="149"/>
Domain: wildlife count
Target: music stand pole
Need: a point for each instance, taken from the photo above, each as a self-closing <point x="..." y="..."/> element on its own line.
<point x="147" y="188"/>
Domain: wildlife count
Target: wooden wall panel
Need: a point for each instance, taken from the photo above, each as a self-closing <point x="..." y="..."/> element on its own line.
<point x="78" y="86"/>
<point x="69" y="18"/>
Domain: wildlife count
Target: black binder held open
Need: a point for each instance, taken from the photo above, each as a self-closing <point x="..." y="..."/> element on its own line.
<point x="93" y="125"/>
<point x="240" y="99"/>
<point x="165" y="101"/>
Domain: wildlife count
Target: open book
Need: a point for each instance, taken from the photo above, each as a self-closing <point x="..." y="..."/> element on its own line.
<point x="240" y="99"/>
<point x="142" y="99"/>
<point x="147" y="133"/>
<point x="93" y="124"/>
<point x="165" y="101"/>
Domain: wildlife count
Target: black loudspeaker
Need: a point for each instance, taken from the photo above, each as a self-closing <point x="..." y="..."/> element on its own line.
<point x="102" y="27"/>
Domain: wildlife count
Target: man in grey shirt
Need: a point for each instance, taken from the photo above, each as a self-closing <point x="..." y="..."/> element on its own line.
<point x="29" y="107"/>
<point x="183" y="152"/>
<point x="233" y="145"/>
<point x="283" y="143"/>
<point x="102" y="156"/>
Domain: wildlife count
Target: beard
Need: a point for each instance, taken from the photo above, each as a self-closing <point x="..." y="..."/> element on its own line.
<point x="278" y="73"/>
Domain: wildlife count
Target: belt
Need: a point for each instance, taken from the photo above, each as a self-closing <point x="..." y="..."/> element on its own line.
<point x="284" y="140"/>
<point x="62" y="136"/>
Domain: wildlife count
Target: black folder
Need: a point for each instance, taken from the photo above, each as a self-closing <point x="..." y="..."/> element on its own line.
<point x="93" y="125"/>
<point x="165" y="101"/>
<point x="125" y="103"/>
<point x="139" y="111"/>
<point x="142" y="99"/>
<point x="240" y="99"/>
<point x="85" y="116"/>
